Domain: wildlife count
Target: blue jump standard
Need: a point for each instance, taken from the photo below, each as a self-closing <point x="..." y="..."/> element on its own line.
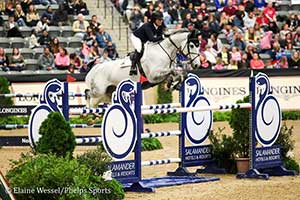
<point x="149" y="184"/>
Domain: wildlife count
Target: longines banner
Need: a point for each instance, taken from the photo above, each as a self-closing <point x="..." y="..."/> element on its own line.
<point x="219" y="90"/>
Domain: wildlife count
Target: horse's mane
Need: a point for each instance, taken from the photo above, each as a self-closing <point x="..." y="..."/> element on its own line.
<point x="175" y="31"/>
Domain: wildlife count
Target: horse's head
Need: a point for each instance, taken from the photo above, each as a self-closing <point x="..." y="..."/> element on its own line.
<point x="191" y="48"/>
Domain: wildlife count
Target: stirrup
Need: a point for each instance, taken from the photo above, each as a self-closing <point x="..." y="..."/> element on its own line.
<point x="133" y="72"/>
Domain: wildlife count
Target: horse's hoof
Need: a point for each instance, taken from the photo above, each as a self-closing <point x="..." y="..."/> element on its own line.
<point x="90" y="122"/>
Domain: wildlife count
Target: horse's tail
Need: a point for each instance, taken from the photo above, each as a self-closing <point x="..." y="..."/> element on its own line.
<point x="87" y="93"/>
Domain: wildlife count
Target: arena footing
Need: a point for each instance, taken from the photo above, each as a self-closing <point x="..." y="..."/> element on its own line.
<point x="149" y="185"/>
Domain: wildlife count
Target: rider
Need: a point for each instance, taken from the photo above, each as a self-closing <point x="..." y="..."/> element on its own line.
<point x="151" y="31"/>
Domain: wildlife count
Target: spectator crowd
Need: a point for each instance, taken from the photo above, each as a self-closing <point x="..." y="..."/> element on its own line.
<point x="235" y="34"/>
<point x="87" y="44"/>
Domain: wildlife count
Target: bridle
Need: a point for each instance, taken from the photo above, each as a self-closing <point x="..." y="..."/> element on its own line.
<point x="180" y="50"/>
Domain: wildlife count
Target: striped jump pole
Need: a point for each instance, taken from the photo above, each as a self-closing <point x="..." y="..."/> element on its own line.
<point x="18" y="95"/>
<point x="22" y="126"/>
<point x="195" y="109"/>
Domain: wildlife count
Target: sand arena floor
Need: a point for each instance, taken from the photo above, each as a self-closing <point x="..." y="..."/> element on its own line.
<point x="228" y="187"/>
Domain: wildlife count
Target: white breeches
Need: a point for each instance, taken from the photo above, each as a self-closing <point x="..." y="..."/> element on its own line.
<point x="136" y="42"/>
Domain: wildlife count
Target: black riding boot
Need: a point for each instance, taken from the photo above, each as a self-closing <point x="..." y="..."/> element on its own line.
<point x="135" y="59"/>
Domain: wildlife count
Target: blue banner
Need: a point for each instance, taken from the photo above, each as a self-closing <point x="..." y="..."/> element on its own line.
<point x="198" y="153"/>
<point x="122" y="169"/>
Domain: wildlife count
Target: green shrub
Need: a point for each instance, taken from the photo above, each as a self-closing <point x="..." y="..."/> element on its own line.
<point x="149" y="144"/>
<point x="51" y="172"/>
<point x="222" y="116"/>
<point x="291" y="115"/>
<point x="97" y="160"/>
<point x="291" y="164"/>
<point x="163" y="94"/>
<point x="223" y="150"/>
<point x="14" y="120"/>
<point x="285" y="140"/>
<point x="239" y="122"/>
<point x="56" y="136"/>
<point x="4" y="89"/>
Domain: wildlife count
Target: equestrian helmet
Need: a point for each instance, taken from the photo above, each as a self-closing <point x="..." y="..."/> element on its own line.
<point x="156" y="15"/>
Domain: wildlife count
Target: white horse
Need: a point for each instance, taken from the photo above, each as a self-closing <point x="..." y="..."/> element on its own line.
<point x="157" y="62"/>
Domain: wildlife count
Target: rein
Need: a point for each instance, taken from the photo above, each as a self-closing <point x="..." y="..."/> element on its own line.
<point x="180" y="50"/>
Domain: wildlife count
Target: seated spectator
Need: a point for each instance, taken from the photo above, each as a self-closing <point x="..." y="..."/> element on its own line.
<point x="42" y="25"/>
<point x="104" y="57"/>
<point x="60" y="17"/>
<point x="256" y="62"/>
<point x="224" y="55"/>
<point x="210" y="54"/>
<point x="219" y="64"/>
<point x="238" y="41"/>
<point x="250" y="50"/>
<point x="103" y="37"/>
<point x="80" y="7"/>
<point x="203" y="11"/>
<point x="269" y="13"/>
<point x="93" y="54"/>
<point x="213" y="24"/>
<point x="33" y="40"/>
<point x="45" y="39"/>
<point x="89" y="36"/>
<point x="46" y="60"/>
<point x="16" y="61"/>
<point x="204" y="63"/>
<point x="11" y="28"/>
<point x="62" y="59"/>
<point x="229" y="9"/>
<point x="282" y="63"/>
<point x="80" y="26"/>
<point x="224" y="20"/>
<point x="235" y="54"/>
<point x="172" y="11"/>
<point x="75" y="61"/>
<point x="9" y="8"/>
<point x="294" y="61"/>
<point x="84" y="68"/>
<point x="296" y="37"/>
<point x="244" y="62"/>
<point x="238" y="20"/>
<point x="261" y="21"/>
<point x="136" y="18"/>
<point x="48" y="14"/>
<point x="20" y="16"/>
<point x="32" y="16"/>
<point x="273" y="27"/>
<point x="198" y="23"/>
<point x="215" y="43"/>
<point x="202" y="43"/>
<point x="54" y="46"/>
<point x="112" y="51"/>
<point x="232" y="65"/>
<point x="265" y="43"/>
<point x="288" y="40"/>
<point x="250" y="36"/>
<point x="187" y="20"/>
<point x="285" y="30"/>
<point x="95" y="25"/>
<point x="206" y="31"/>
<point x="249" y="20"/>
<point x="3" y="61"/>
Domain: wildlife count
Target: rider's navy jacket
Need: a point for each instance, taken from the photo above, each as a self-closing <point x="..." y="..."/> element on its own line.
<point x="148" y="32"/>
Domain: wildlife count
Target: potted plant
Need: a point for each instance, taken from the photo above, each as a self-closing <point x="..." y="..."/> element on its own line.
<point x="239" y="122"/>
